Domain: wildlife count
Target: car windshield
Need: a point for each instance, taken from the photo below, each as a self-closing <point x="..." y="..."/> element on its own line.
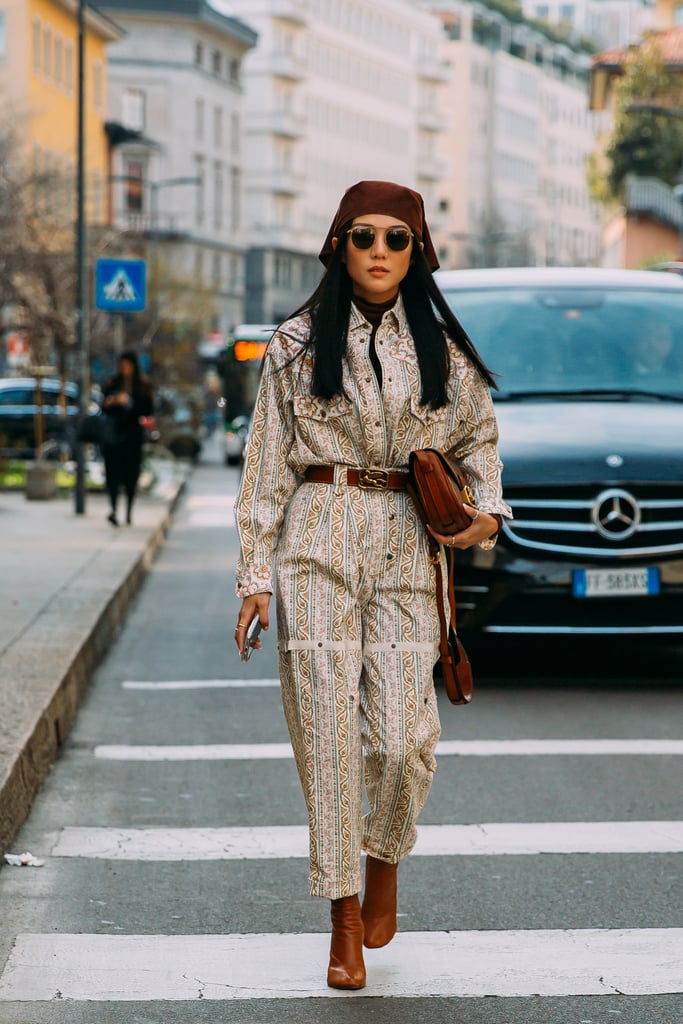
<point x="576" y="341"/>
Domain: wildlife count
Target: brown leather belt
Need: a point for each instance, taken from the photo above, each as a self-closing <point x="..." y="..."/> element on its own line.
<point x="367" y="479"/>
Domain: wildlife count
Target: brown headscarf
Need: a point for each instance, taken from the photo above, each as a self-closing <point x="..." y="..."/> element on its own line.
<point x="385" y="197"/>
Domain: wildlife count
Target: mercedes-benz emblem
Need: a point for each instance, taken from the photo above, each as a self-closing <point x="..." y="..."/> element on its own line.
<point x="616" y="514"/>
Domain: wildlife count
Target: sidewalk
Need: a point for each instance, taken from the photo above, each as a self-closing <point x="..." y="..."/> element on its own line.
<point x="66" y="582"/>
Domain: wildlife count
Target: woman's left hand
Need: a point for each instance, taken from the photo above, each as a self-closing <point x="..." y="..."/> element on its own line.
<point x="481" y="528"/>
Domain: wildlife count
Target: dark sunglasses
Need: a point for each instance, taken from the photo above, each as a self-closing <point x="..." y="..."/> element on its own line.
<point x="397" y="239"/>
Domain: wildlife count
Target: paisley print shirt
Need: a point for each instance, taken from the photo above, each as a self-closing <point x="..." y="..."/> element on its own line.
<point x="365" y="427"/>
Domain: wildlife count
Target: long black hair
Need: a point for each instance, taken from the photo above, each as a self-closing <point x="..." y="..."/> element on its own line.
<point x="329" y="307"/>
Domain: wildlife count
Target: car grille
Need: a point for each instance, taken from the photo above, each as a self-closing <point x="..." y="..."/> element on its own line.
<point x="598" y="522"/>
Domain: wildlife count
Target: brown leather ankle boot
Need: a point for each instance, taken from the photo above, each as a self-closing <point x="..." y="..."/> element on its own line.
<point x="346" y="969"/>
<point x="379" y="902"/>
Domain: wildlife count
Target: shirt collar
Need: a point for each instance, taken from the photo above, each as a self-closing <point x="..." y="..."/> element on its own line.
<point x="397" y="314"/>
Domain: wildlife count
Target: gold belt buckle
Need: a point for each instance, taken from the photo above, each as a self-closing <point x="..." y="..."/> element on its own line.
<point x="373" y="479"/>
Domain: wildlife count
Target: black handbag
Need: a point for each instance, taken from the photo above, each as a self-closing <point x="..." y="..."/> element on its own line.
<point x="98" y="428"/>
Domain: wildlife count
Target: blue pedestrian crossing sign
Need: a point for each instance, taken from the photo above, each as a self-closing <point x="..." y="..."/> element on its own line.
<point x="121" y="285"/>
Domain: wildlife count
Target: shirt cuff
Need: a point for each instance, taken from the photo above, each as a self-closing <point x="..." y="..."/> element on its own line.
<point x="257" y="581"/>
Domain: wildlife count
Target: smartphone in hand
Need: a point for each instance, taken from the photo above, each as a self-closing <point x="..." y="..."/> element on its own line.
<point x="253" y="631"/>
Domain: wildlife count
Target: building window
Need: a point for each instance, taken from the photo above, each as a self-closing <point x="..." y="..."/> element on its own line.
<point x="199" y="192"/>
<point x="234" y="70"/>
<point x="216" y="270"/>
<point x="235" y="133"/>
<point x="133" y="109"/>
<point x="218" y="127"/>
<point x="198" y="54"/>
<point x="135" y="188"/>
<point x="69" y="68"/>
<point x="98" y="98"/>
<point x="216" y="62"/>
<point x="37" y="40"/>
<point x="199" y="120"/>
<point x="235" y="197"/>
<point x="59" y="61"/>
<point x="47" y="52"/>
<point x="218" y="197"/>
<point x="97" y="197"/>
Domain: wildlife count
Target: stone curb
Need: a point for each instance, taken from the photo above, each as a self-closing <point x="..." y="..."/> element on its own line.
<point x="71" y="635"/>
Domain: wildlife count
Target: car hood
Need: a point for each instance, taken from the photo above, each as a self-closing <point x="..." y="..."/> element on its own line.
<point x="570" y="442"/>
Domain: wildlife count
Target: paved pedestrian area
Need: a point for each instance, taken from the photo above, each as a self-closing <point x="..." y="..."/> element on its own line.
<point x="65" y="584"/>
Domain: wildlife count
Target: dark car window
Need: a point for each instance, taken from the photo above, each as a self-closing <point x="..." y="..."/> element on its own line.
<point x="573" y="339"/>
<point x="16" y="396"/>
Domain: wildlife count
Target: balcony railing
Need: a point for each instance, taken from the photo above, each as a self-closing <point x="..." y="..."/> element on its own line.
<point x="293" y="11"/>
<point x="433" y="69"/>
<point x="278" y="122"/>
<point x="287" y="65"/>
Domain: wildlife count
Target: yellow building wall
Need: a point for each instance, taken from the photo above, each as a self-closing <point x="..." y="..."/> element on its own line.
<point x="51" y="68"/>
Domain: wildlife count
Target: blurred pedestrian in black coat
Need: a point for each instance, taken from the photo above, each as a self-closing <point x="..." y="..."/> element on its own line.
<point x="128" y="398"/>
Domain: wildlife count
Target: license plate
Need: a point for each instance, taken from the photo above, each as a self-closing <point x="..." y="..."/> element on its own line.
<point x="615" y="582"/>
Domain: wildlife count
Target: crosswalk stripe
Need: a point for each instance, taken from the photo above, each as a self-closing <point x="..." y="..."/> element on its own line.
<point x="446" y="748"/>
<point x="282" y="841"/>
<point x="196" y="684"/>
<point x="227" y="967"/>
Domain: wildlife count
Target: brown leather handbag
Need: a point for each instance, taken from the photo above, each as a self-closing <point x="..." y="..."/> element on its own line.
<point x="439" y="487"/>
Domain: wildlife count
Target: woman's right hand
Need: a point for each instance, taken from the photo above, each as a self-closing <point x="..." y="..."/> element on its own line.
<point x="256" y="605"/>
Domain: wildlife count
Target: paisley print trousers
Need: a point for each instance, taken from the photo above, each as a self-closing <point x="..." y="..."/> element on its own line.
<point x="358" y="637"/>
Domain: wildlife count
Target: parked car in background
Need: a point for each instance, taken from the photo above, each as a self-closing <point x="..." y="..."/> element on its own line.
<point x="18" y="409"/>
<point x="177" y="425"/>
<point x="590" y="412"/>
<point x="234" y="440"/>
<point x="673" y="267"/>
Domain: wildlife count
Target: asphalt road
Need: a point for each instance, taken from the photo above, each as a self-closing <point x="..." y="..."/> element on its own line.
<point x="144" y="907"/>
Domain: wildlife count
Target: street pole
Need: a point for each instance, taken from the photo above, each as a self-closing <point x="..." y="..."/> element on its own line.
<point x="82" y="372"/>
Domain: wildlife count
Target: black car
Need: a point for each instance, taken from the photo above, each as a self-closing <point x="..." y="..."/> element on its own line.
<point x="590" y="411"/>
<point x="18" y="407"/>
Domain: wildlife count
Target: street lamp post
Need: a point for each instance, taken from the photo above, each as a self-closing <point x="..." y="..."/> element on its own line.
<point x="81" y="303"/>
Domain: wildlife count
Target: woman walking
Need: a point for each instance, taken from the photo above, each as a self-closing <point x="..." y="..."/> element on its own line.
<point x="361" y="375"/>
<point x="127" y="399"/>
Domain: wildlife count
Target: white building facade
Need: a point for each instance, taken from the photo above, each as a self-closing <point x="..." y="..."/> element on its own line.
<point x="518" y="135"/>
<point x="607" y="22"/>
<point x="335" y="92"/>
<point x="176" y="78"/>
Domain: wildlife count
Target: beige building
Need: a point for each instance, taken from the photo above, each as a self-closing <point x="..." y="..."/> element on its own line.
<point x="38" y="88"/>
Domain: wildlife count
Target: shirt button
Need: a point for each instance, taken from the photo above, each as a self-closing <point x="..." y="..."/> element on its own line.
<point x="378" y="423"/>
<point x="392" y="516"/>
<point x="390" y="555"/>
<point x="368" y="379"/>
